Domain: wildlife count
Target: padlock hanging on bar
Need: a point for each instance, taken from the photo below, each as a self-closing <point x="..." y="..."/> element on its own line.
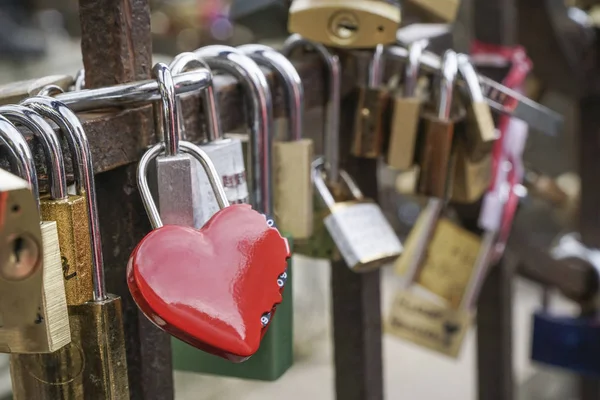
<point x="370" y="132"/>
<point x="225" y="153"/>
<point x="292" y="159"/>
<point x="100" y="319"/>
<point x="319" y="244"/>
<point x="49" y="329"/>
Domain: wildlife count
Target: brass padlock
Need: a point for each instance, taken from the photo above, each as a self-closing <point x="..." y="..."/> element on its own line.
<point x="21" y="262"/>
<point x="369" y="128"/>
<point x="98" y="323"/>
<point x="432" y="11"/>
<point x="350" y="24"/>
<point x="435" y="158"/>
<point x="69" y="211"/>
<point x="360" y="231"/>
<point x="292" y="159"/>
<point x="471" y="178"/>
<point x="480" y="132"/>
<point x="320" y="245"/>
<point x="406" y="110"/>
<point x="444" y="266"/>
<point x="49" y="331"/>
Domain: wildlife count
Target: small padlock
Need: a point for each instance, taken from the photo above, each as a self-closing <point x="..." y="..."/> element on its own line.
<point x="292" y="159"/>
<point x="232" y="61"/>
<point x="97" y="323"/>
<point x="69" y="211"/>
<point x="320" y="245"/>
<point x="21" y="261"/>
<point x="350" y="24"/>
<point x="435" y="154"/>
<point x="357" y="225"/>
<point x="406" y="112"/>
<point x="564" y="341"/>
<point x="225" y="153"/>
<point x="471" y="178"/>
<point x="371" y="108"/>
<point x="216" y="296"/>
<point x="480" y="132"/>
<point x="448" y="265"/>
<point x="50" y="330"/>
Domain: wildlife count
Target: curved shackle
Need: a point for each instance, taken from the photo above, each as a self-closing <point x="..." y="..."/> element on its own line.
<point x="332" y="123"/>
<point x="83" y="168"/>
<point x="467" y="71"/>
<point x="411" y="68"/>
<point x="188" y="148"/>
<point x="268" y="57"/>
<point x="234" y="62"/>
<point x="21" y="156"/>
<point x="79" y="80"/>
<point x="188" y="61"/>
<point x="376" y="67"/>
<point x="318" y="169"/>
<point x="448" y="74"/>
<point x="169" y="108"/>
<point x="50" y="144"/>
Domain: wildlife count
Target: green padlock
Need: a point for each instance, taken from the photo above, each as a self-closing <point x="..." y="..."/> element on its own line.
<point x="275" y="355"/>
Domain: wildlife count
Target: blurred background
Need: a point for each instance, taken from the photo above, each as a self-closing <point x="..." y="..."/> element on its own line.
<point x="39" y="38"/>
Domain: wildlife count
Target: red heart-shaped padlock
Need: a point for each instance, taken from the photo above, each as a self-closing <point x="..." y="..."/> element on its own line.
<point x="210" y="287"/>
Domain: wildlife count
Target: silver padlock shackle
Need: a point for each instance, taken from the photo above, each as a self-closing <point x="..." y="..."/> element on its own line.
<point x="50" y="144"/>
<point x="189" y="61"/>
<point x="21" y="156"/>
<point x="234" y="62"/>
<point x="266" y="56"/>
<point x="318" y="170"/>
<point x="169" y="109"/>
<point x="188" y="148"/>
<point x="411" y="68"/>
<point x="448" y="75"/>
<point x="332" y="123"/>
<point x="83" y="168"/>
<point x="480" y="270"/>
<point x="467" y="71"/>
<point x="79" y="80"/>
<point x="377" y="67"/>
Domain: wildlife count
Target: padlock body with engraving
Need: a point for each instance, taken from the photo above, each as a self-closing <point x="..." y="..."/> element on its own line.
<point x="228" y="158"/>
<point x="363" y="235"/>
<point x="369" y="127"/>
<point x="74" y="238"/>
<point x="293" y="187"/>
<point x="567" y="342"/>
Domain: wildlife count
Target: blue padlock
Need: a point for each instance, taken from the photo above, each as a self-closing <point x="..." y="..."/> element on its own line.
<point x="568" y="342"/>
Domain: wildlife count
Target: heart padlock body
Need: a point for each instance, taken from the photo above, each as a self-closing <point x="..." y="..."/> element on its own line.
<point x="570" y="343"/>
<point x="210" y="287"/>
<point x="274" y="357"/>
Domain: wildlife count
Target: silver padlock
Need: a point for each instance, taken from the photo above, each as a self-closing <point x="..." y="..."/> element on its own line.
<point x="357" y="226"/>
<point x="225" y="153"/>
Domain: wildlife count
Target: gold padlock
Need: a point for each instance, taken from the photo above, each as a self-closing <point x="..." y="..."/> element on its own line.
<point x="471" y="178"/>
<point x="432" y="11"/>
<point x="97" y="323"/>
<point x="349" y="24"/>
<point x="480" y="132"/>
<point x="406" y="113"/>
<point x="291" y="159"/>
<point x="436" y="148"/>
<point x="50" y="330"/>
<point x="369" y="129"/>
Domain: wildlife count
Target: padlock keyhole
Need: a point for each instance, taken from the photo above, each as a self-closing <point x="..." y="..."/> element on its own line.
<point x="23" y="259"/>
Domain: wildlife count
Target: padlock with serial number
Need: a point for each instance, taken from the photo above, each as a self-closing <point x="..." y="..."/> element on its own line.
<point x="349" y="24"/>
<point x="568" y="342"/>
<point x="225" y="153"/>
<point x="406" y="110"/>
<point x="98" y="322"/>
<point x="435" y="161"/>
<point x="292" y="159"/>
<point x="320" y="245"/>
<point x="215" y="288"/>
<point x="369" y="128"/>
<point x="357" y="225"/>
<point x="49" y="331"/>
